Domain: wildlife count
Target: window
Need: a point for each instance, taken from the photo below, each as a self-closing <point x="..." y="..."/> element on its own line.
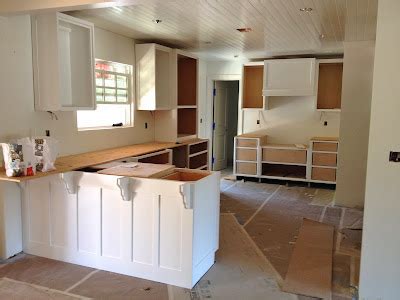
<point x="113" y="97"/>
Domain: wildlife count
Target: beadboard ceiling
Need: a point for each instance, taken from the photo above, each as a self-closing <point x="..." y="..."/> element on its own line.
<point x="208" y="27"/>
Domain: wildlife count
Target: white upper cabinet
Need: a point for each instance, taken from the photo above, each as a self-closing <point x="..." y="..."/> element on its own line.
<point x="289" y="77"/>
<point x="63" y="63"/>
<point x="154" y="77"/>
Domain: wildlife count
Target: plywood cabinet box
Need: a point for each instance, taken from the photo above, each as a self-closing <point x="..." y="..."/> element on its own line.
<point x="289" y="77"/>
<point x="63" y="63"/>
<point x="180" y="123"/>
<point x="253" y="74"/>
<point x="164" y="230"/>
<point x="330" y="73"/>
<point x="154" y="77"/>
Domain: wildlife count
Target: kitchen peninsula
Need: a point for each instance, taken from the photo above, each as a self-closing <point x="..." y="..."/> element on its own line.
<point x="162" y="226"/>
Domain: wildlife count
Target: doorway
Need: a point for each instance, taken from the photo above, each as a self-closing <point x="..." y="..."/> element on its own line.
<point x="225" y="123"/>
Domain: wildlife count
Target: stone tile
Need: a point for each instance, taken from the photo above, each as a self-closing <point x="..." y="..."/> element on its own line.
<point x="107" y="285"/>
<point x="11" y="289"/>
<point x="341" y="275"/>
<point x="351" y="242"/>
<point x="44" y="272"/>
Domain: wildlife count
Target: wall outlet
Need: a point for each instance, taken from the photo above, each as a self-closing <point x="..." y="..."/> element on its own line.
<point x="325" y="123"/>
<point x="145" y="125"/>
<point x="258" y="122"/>
<point x="47" y="132"/>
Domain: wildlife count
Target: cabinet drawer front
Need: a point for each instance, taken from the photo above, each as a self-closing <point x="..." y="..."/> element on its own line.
<point x="251" y="143"/>
<point x="285" y="156"/>
<point x="246" y="168"/>
<point x="246" y="154"/>
<point x="323" y="174"/>
<point x="323" y="146"/>
<point x="324" y="159"/>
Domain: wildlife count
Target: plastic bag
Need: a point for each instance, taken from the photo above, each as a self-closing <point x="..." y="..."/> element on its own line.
<point x="19" y="158"/>
<point x="46" y="152"/>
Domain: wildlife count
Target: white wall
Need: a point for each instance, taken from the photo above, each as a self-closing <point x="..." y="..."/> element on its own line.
<point x="354" y="125"/>
<point x="18" y="117"/>
<point x="292" y="120"/>
<point x="380" y="258"/>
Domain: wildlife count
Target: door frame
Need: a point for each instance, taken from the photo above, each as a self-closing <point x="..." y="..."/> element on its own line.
<point x="210" y="106"/>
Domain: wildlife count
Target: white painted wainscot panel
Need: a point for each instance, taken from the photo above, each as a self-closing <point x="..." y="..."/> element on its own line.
<point x="161" y="230"/>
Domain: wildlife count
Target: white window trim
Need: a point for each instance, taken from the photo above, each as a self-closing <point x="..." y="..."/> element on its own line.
<point x="131" y="102"/>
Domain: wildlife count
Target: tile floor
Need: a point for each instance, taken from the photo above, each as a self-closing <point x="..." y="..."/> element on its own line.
<point x="267" y="218"/>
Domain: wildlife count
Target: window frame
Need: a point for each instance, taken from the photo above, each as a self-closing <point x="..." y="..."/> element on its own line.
<point x="130" y="95"/>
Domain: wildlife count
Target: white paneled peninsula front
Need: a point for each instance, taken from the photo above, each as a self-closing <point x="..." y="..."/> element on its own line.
<point x="162" y="229"/>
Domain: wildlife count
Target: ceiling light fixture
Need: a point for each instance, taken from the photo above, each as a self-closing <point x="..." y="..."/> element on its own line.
<point x="157" y="21"/>
<point x="306" y="9"/>
<point x="244" y="29"/>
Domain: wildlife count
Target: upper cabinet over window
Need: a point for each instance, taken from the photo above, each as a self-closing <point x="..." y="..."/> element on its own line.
<point x="154" y="77"/>
<point x="63" y="63"/>
<point x="289" y="77"/>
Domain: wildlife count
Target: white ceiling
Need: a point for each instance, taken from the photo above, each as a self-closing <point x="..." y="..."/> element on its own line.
<point x="278" y="26"/>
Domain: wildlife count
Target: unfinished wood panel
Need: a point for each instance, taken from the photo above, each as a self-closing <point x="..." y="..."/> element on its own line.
<point x="310" y="268"/>
<point x="284" y="155"/>
<point x="156" y="159"/>
<point x="325" y="159"/>
<point x="248" y="143"/>
<point x="180" y="175"/>
<point x="187" y="80"/>
<point x="253" y="86"/>
<point x="195" y="148"/>
<point x="139" y="170"/>
<point x="246" y="168"/>
<point x="179" y="156"/>
<point x="187" y="121"/>
<point x="246" y="154"/>
<point x="323" y="174"/>
<point x="321" y="146"/>
<point x="330" y="86"/>
<point x="288" y="171"/>
<point x="198" y="161"/>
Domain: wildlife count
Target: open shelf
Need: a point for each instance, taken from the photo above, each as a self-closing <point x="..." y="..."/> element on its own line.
<point x="179" y="156"/>
<point x="187" y="121"/>
<point x="187" y="80"/>
<point x="198" y="161"/>
<point x="284" y="171"/>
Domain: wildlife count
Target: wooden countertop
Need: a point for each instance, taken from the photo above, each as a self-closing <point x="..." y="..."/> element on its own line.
<point x="79" y="161"/>
<point x="286" y="146"/>
<point x="251" y="135"/>
<point x="327" y="139"/>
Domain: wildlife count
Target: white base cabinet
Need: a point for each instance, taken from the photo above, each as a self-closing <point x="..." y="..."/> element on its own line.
<point x="156" y="229"/>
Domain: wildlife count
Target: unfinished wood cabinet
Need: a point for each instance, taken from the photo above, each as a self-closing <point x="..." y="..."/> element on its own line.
<point x="323" y="159"/>
<point x="246" y="168"/>
<point x="323" y="174"/>
<point x="180" y="123"/>
<point x="330" y="73"/>
<point x="159" y="157"/>
<point x="63" y="63"/>
<point x="247" y="154"/>
<point x="253" y="74"/>
<point x="154" y="77"/>
<point x="198" y="155"/>
<point x="192" y="155"/>
<point x="284" y="154"/>
<point x="284" y="162"/>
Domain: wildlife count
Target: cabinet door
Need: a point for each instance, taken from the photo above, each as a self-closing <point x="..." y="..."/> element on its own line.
<point x="63" y="62"/>
<point x="289" y="77"/>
